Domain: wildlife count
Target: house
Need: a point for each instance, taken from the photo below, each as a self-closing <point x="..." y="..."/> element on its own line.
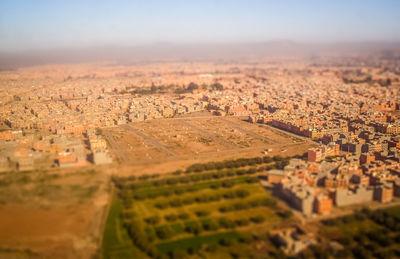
<point x="68" y="159"/>
<point x="322" y="204"/>
<point x="359" y="194"/>
<point x="101" y="158"/>
<point x="276" y="176"/>
<point x="25" y="163"/>
<point x="3" y="164"/>
<point x="384" y="192"/>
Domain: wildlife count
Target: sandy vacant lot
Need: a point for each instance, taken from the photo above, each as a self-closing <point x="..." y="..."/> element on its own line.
<point x="165" y="145"/>
<point x="52" y="214"/>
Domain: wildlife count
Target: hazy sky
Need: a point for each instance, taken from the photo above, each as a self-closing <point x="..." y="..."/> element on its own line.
<point x="41" y="24"/>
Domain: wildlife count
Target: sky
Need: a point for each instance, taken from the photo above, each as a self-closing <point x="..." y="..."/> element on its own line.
<point x="51" y="24"/>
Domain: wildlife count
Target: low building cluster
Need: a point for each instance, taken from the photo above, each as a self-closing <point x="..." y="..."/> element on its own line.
<point x="328" y="179"/>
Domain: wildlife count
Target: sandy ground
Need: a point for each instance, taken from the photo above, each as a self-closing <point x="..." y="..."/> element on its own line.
<point x="62" y="223"/>
<point x="165" y="145"/>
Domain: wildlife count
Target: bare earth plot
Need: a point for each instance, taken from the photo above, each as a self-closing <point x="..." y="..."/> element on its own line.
<point x="163" y="145"/>
<point x="52" y="215"/>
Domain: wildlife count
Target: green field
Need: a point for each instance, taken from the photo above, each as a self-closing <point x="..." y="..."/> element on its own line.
<point x="217" y="213"/>
<point x="116" y="242"/>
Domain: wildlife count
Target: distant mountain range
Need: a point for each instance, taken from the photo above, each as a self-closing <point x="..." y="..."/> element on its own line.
<point x="192" y="52"/>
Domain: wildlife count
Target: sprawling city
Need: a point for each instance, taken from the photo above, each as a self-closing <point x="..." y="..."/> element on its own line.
<point x="268" y="153"/>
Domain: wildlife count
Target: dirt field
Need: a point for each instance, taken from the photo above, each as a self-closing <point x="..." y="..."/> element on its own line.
<point x="52" y="215"/>
<point x="164" y="145"/>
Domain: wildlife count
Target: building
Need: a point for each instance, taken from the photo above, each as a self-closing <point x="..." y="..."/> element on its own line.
<point x="396" y="188"/>
<point x="383" y="193"/>
<point x="67" y="159"/>
<point x="25" y="163"/>
<point x="366" y="158"/>
<point x="314" y="155"/>
<point x="97" y="144"/>
<point x="3" y="164"/>
<point x="322" y="204"/>
<point x="276" y="176"/>
<point x="345" y="197"/>
<point x="298" y="195"/>
<point x="101" y="158"/>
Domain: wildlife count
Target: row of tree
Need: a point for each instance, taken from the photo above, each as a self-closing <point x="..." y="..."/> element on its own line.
<point x="126" y="182"/>
<point x="179" y="190"/>
<point x="204" y="198"/>
<point x="269" y="202"/>
<point x="196" y="227"/>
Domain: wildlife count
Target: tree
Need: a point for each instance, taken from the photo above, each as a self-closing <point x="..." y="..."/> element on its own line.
<point x="171" y="217"/>
<point x="286" y="214"/>
<point x="183" y="215"/>
<point x="212" y="247"/>
<point x="192" y="86"/>
<point x="193" y="227"/>
<point x="217" y="86"/>
<point x="225" y="241"/>
<point x="202" y="213"/>
<point x="164" y="232"/>
<point x="210" y="225"/>
<point x="257" y="219"/>
<point x="360" y="252"/>
<point x="152" y="220"/>
<point x="153" y="88"/>
<point x="176" y="254"/>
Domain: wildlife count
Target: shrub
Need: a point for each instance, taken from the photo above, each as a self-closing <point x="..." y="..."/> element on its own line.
<point x="229" y="195"/>
<point x="252" y="180"/>
<point x="360" y="252"/>
<point x="228" y="184"/>
<point x="144" y="177"/>
<point x="161" y="205"/>
<point x="212" y="247"/>
<point x="188" y="200"/>
<point x="210" y="225"/>
<point x="242" y="193"/>
<point x="178" y="172"/>
<point x="152" y="220"/>
<point x="257" y="219"/>
<point x="164" y="232"/>
<point x="178" y="191"/>
<point x="226" y="241"/>
<point x="245" y="238"/>
<point x="151" y="235"/>
<point x="202" y="213"/>
<point x="242" y="222"/>
<point x="128" y="214"/>
<point x="226" y="223"/>
<point x="176" y="254"/>
<point x="252" y="170"/>
<point x="176" y="203"/>
<point x="286" y="214"/>
<point x="171" y="217"/>
<point x="139" y="196"/>
<point x="269" y="202"/>
<point x="183" y="215"/>
<point x="215" y="185"/>
<point x="193" y="227"/>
